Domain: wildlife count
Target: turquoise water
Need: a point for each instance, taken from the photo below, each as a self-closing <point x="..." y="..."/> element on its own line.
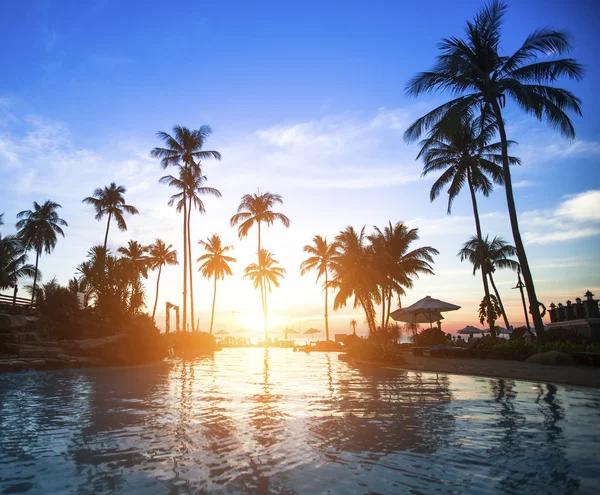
<point x="275" y="421"/>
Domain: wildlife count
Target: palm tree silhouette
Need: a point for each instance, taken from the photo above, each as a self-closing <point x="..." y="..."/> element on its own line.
<point x="354" y="274"/>
<point x="184" y="149"/>
<point x="353" y="324"/>
<point x="190" y="184"/>
<point x="110" y="201"/>
<point x="13" y="262"/>
<point x="38" y="229"/>
<point x="264" y="274"/>
<point x="320" y="259"/>
<point x="495" y="254"/>
<point x="159" y="255"/>
<point x="216" y="265"/>
<point x="258" y="209"/>
<point x="465" y="155"/>
<point x="393" y="259"/>
<point x="136" y="266"/>
<point x="474" y="69"/>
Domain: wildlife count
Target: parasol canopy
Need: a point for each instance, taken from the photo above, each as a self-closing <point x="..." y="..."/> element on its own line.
<point x="311" y="332"/>
<point x="401" y="315"/>
<point x="469" y="329"/>
<point x="427" y="306"/>
<point x="221" y="332"/>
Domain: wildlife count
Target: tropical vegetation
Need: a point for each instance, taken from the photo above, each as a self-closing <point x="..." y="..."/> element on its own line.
<point x="110" y="202"/>
<point x="480" y="77"/>
<point x="38" y="230"/>
<point x="184" y="149"/>
<point x="215" y="264"/>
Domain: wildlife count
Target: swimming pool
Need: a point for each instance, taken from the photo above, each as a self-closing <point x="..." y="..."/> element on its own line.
<point x="275" y="421"/>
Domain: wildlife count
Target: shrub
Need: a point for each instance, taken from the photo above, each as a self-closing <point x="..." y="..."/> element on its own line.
<point x="377" y="352"/>
<point x="430" y="337"/>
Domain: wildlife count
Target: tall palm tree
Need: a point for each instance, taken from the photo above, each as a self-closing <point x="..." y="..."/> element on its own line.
<point x="216" y="265"/>
<point x="38" y="230"/>
<point x="320" y="259"/>
<point x="463" y="151"/>
<point x="255" y="209"/>
<point x="397" y="263"/>
<point x="110" y="201"/>
<point x="474" y="70"/>
<point x="495" y="254"/>
<point x="159" y="255"/>
<point x="13" y="262"/>
<point x="190" y="184"/>
<point x="184" y="149"/>
<point x="354" y="274"/>
<point x="265" y="273"/>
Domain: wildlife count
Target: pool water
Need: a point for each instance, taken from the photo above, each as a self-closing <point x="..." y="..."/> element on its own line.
<point x="274" y="421"/>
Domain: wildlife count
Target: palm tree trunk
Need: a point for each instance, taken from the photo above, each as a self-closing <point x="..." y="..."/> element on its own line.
<point x="185" y="259"/>
<point x="534" y="308"/>
<point x="383" y="301"/>
<point x="106" y="234"/>
<point x="499" y="301"/>
<point x="37" y="258"/>
<point x="212" y="315"/>
<point x="263" y="295"/>
<point x="486" y="287"/>
<point x="156" y="298"/>
<point x="266" y="317"/>
<point x="389" y="308"/>
<point x="326" y="315"/>
<point x="189" y="213"/>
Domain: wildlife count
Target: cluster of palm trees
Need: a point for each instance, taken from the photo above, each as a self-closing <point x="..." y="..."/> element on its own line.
<point x="38" y="230"/>
<point x="459" y="133"/>
<point x="371" y="269"/>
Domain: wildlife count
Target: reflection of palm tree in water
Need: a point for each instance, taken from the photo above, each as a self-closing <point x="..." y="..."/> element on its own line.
<point x="524" y="470"/>
<point x="383" y="411"/>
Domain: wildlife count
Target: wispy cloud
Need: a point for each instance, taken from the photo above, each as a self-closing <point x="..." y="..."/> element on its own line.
<point x="577" y="217"/>
<point x="524" y="183"/>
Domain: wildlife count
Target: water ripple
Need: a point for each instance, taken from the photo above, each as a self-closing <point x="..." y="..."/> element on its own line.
<point x="276" y="422"/>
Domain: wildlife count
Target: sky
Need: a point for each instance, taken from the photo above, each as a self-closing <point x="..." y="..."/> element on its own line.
<point x="306" y="100"/>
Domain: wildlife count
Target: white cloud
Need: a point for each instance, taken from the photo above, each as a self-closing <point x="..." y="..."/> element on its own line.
<point x="524" y="183"/>
<point x="570" y="220"/>
<point x="582" y="207"/>
<point x="563" y="235"/>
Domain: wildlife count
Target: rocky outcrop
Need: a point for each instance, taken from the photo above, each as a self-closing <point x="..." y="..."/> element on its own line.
<point x="551" y="357"/>
<point x="116" y="350"/>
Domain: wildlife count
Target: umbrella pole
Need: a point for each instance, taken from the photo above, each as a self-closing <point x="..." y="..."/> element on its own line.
<point x="430" y="323"/>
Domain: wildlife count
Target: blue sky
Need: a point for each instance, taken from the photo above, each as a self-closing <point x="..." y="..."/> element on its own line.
<point x="305" y="100"/>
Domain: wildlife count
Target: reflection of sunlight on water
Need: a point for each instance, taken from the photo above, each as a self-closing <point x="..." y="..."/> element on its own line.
<point x="274" y="421"/>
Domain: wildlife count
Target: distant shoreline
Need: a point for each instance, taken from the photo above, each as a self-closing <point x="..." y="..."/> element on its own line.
<point x="582" y="376"/>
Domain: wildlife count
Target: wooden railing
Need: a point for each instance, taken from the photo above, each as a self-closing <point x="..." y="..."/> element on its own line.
<point x="15" y="301"/>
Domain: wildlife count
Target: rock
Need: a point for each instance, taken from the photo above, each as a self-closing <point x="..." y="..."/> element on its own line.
<point x="41" y="352"/>
<point x="551" y="357"/>
<point x="120" y="349"/>
<point x="12" y="322"/>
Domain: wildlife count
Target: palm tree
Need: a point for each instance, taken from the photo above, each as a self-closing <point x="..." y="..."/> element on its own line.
<point x="264" y="274"/>
<point x="393" y="259"/>
<point x="184" y="149"/>
<point x="110" y="201"/>
<point x="13" y="262"/>
<point x="353" y="324"/>
<point x="136" y="266"/>
<point x="320" y="259"/>
<point x="495" y="254"/>
<point x="190" y="183"/>
<point x="159" y="255"/>
<point x="474" y="69"/>
<point x="462" y="150"/>
<point x="354" y="274"/>
<point x="38" y="229"/>
<point x="255" y="209"/>
<point x="216" y="265"/>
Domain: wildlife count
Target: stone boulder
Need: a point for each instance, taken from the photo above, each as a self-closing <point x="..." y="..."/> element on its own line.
<point x="40" y="352"/>
<point x="121" y="349"/>
<point x="551" y="357"/>
<point x="12" y="322"/>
